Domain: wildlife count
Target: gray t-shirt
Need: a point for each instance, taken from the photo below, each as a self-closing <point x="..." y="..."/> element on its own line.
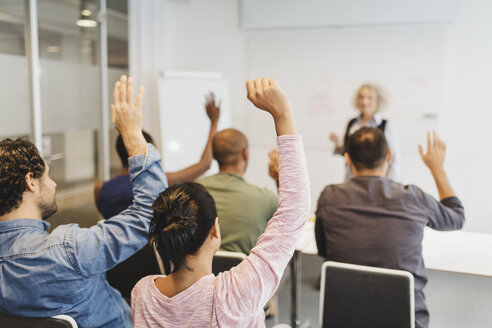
<point x="378" y="222"/>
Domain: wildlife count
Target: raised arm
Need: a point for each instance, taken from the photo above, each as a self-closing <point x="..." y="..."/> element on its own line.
<point x="194" y="171"/>
<point x="104" y="245"/>
<point x="247" y="287"/>
<point x="434" y="160"/>
<point x="448" y="214"/>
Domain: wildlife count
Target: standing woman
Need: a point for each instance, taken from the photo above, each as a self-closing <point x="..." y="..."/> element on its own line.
<point x="368" y="100"/>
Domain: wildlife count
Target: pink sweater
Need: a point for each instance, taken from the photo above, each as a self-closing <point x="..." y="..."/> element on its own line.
<point x="236" y="298"/>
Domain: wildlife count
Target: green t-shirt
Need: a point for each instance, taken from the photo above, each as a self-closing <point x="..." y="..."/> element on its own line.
<point x="243" y="210"/>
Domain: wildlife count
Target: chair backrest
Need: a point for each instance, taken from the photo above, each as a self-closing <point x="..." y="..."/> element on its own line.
<point x="57" y="321"/>
<point x="224" y="261"/>
<point x="361" y="296"/>
<point x="126" y="274"/>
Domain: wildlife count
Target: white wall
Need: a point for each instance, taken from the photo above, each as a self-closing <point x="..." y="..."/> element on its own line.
<point x="469" y="111"/>
<point x="205" y="36"/>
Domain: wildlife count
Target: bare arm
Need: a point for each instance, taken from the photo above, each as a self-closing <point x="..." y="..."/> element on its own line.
<point x="194" y="171"/>
<point x="266" y="95"/>
<point x="99" y="248"/>
<point x="434" y="160"/>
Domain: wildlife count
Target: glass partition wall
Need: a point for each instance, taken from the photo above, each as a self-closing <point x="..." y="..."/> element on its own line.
<point x="72" y="70"/>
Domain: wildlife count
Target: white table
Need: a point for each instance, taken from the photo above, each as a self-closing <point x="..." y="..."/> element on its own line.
<point x="451" y="251"/>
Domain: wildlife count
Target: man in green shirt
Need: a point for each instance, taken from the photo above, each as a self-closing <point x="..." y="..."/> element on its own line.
<point x="243" y="209"/>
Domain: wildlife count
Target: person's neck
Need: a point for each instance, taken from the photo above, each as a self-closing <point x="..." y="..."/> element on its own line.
<point x="177" y="282"/>
<point x="125" y="170"/>
<point x="24" y="211"/>
<point x="369" y="173"/>
<point x="234" y="169"/>
<point x="364" y="119"/>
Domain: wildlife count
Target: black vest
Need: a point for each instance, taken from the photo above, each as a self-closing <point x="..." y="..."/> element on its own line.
<point x="381" y="127"/>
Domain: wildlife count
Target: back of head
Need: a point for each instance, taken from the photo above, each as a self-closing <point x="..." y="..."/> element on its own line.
<point x="183" y="217"/>
<point x="367" y="148"/>
<point x="17" y="158"/>
<point x="121" y="149"/>
<point x="227" y="146"/>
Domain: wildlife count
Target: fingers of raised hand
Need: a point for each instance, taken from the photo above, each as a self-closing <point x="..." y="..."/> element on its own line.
<point x="129" y="91"/>
<point x="421" y="152"/>
<point x="265" y="83"/>
<point x="123" y="87"/>
<point x="441" y="143"/>
<point x="258" y="86"/>
<point x="138" y="102"/>
<point x="250" y="87"/>
<point x="116" y="93"/>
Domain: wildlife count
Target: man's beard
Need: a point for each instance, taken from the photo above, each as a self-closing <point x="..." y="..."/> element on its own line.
<point x="47" y="209"/>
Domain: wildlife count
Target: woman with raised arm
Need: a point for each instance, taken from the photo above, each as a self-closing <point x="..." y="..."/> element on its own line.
<point x="185" y="231"/>
<point x="369" y="100"/>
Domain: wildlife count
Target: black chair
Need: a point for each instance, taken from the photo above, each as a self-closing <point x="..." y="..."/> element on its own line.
<point x="58" y="321"/>
<point x="224" y="261"/>
<point x="356" y="296"/>
<point x="126" y="274"/>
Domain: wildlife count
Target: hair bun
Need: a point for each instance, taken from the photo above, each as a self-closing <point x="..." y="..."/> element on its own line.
<point x="175" y="219"/>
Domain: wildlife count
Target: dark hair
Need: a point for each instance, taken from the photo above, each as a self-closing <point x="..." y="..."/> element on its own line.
<point x="120" y="148"/>
<point x="367" y="148"/>
<point x="17" y="158"/>
<point x="183" y="217"/>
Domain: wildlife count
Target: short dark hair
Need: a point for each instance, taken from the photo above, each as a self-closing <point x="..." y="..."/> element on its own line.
<point x="121" y="150"/>
<point x="367" y="148"/>
<point x="183" y="217"/>
<point x="17" y="158"/>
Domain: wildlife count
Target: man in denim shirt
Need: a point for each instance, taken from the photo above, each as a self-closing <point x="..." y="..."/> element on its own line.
<point x="44" y="274"/>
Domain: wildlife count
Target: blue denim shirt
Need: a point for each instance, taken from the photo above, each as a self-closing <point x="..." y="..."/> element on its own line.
<point x="64" y="272"/>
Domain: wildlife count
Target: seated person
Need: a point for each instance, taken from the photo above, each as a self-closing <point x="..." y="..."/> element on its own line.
<point x="373" y="220"/>
<point x="243" y="209"/>
<point x="115" y="195"/>
<point x="185" y="230"/>
<point x="64" y="272"/>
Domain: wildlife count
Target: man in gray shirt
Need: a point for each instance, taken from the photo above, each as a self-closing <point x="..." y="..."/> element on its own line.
<point x="372" y="220"/>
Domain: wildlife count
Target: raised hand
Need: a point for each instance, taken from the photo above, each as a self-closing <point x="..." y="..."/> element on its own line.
<point x="434" y="159"/>
<point x="436" y="151"/>
<point x="265" y="94"/>
<point x="127" y="115"/>
<point x="335" y="139"/>
<point x="212" y="108"/>
<point x="273" y="166"/>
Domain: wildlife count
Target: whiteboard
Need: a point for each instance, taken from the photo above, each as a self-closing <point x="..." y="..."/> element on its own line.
<point x="183" y="121"/>
<point x="268" y="14"/>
